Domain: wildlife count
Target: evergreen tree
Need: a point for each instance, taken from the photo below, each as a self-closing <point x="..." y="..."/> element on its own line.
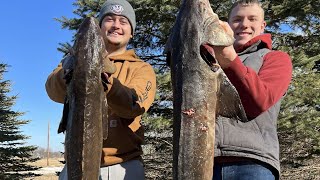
<point x="299" y="121"/>
<point x="156" y="17"/>
<point x="14" y="155"/>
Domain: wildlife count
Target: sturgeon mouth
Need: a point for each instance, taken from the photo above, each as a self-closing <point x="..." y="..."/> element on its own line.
<point x="207" y="54"/>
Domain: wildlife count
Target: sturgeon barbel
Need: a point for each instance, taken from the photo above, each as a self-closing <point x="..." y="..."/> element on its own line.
<point x="201" y="90"/>
<point x="86" y="104"/>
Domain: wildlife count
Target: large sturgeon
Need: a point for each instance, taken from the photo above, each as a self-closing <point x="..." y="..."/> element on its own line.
<point x="201" y="90"/>
<point x="86" y="104"/>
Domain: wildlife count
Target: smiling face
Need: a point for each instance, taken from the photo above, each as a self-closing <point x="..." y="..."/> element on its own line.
<point x="247" y="22"/>
<point x="116" y="32"/>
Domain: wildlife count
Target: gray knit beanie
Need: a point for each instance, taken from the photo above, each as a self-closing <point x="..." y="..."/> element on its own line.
<point x="118" y="7"/>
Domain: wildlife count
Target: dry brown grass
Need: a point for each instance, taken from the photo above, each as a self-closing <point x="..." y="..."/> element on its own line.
<point x="311" y="171"/>
<point x="44" y="177"/>
<point x="53" y="162"/>
<point x="44" y="163"/>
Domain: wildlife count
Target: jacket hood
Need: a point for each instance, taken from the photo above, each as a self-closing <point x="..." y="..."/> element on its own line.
<point x="264" y="38"/>
<point x="129" y="55"/>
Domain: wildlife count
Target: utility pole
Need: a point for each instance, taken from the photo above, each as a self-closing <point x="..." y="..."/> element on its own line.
<point x="48" y="147"/>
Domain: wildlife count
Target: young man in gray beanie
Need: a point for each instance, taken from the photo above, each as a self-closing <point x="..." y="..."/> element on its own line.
<point x="130" y="92"/>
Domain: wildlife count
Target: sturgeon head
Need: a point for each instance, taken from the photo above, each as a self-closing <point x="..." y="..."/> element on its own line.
<point x="201" y="90"/>
<point x="86" y="104"/>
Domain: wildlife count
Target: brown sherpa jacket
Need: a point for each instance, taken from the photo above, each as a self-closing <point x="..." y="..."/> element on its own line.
<point x="130" y="94"/>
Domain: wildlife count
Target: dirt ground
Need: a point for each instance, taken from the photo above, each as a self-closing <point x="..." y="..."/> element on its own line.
<point x="310" y="171"/>
<point x="47" y="169"/>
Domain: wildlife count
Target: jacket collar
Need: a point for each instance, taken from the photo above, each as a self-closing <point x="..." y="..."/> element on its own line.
<point x="258" y="42"/>
<point x="129" y="55"/>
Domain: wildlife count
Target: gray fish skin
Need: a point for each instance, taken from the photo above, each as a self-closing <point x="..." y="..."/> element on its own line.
<point x="201" y="92"/>
<point x="87" y="103"/>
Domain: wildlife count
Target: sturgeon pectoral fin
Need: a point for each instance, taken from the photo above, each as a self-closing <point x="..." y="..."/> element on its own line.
<point x="229" y="103"/>
<point x="105" y="122"/>
<point x="64" y="120"/>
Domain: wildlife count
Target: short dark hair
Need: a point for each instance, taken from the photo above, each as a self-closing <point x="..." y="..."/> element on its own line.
<point x="246" y="3"/>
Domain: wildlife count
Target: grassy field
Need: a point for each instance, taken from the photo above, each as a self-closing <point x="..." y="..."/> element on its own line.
<point x="53" y="162"/>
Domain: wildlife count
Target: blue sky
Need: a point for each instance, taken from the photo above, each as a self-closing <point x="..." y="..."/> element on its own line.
<point x="29" y="38"/>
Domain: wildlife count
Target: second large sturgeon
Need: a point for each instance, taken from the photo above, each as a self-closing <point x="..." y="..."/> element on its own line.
<point x="201" y="90"/>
